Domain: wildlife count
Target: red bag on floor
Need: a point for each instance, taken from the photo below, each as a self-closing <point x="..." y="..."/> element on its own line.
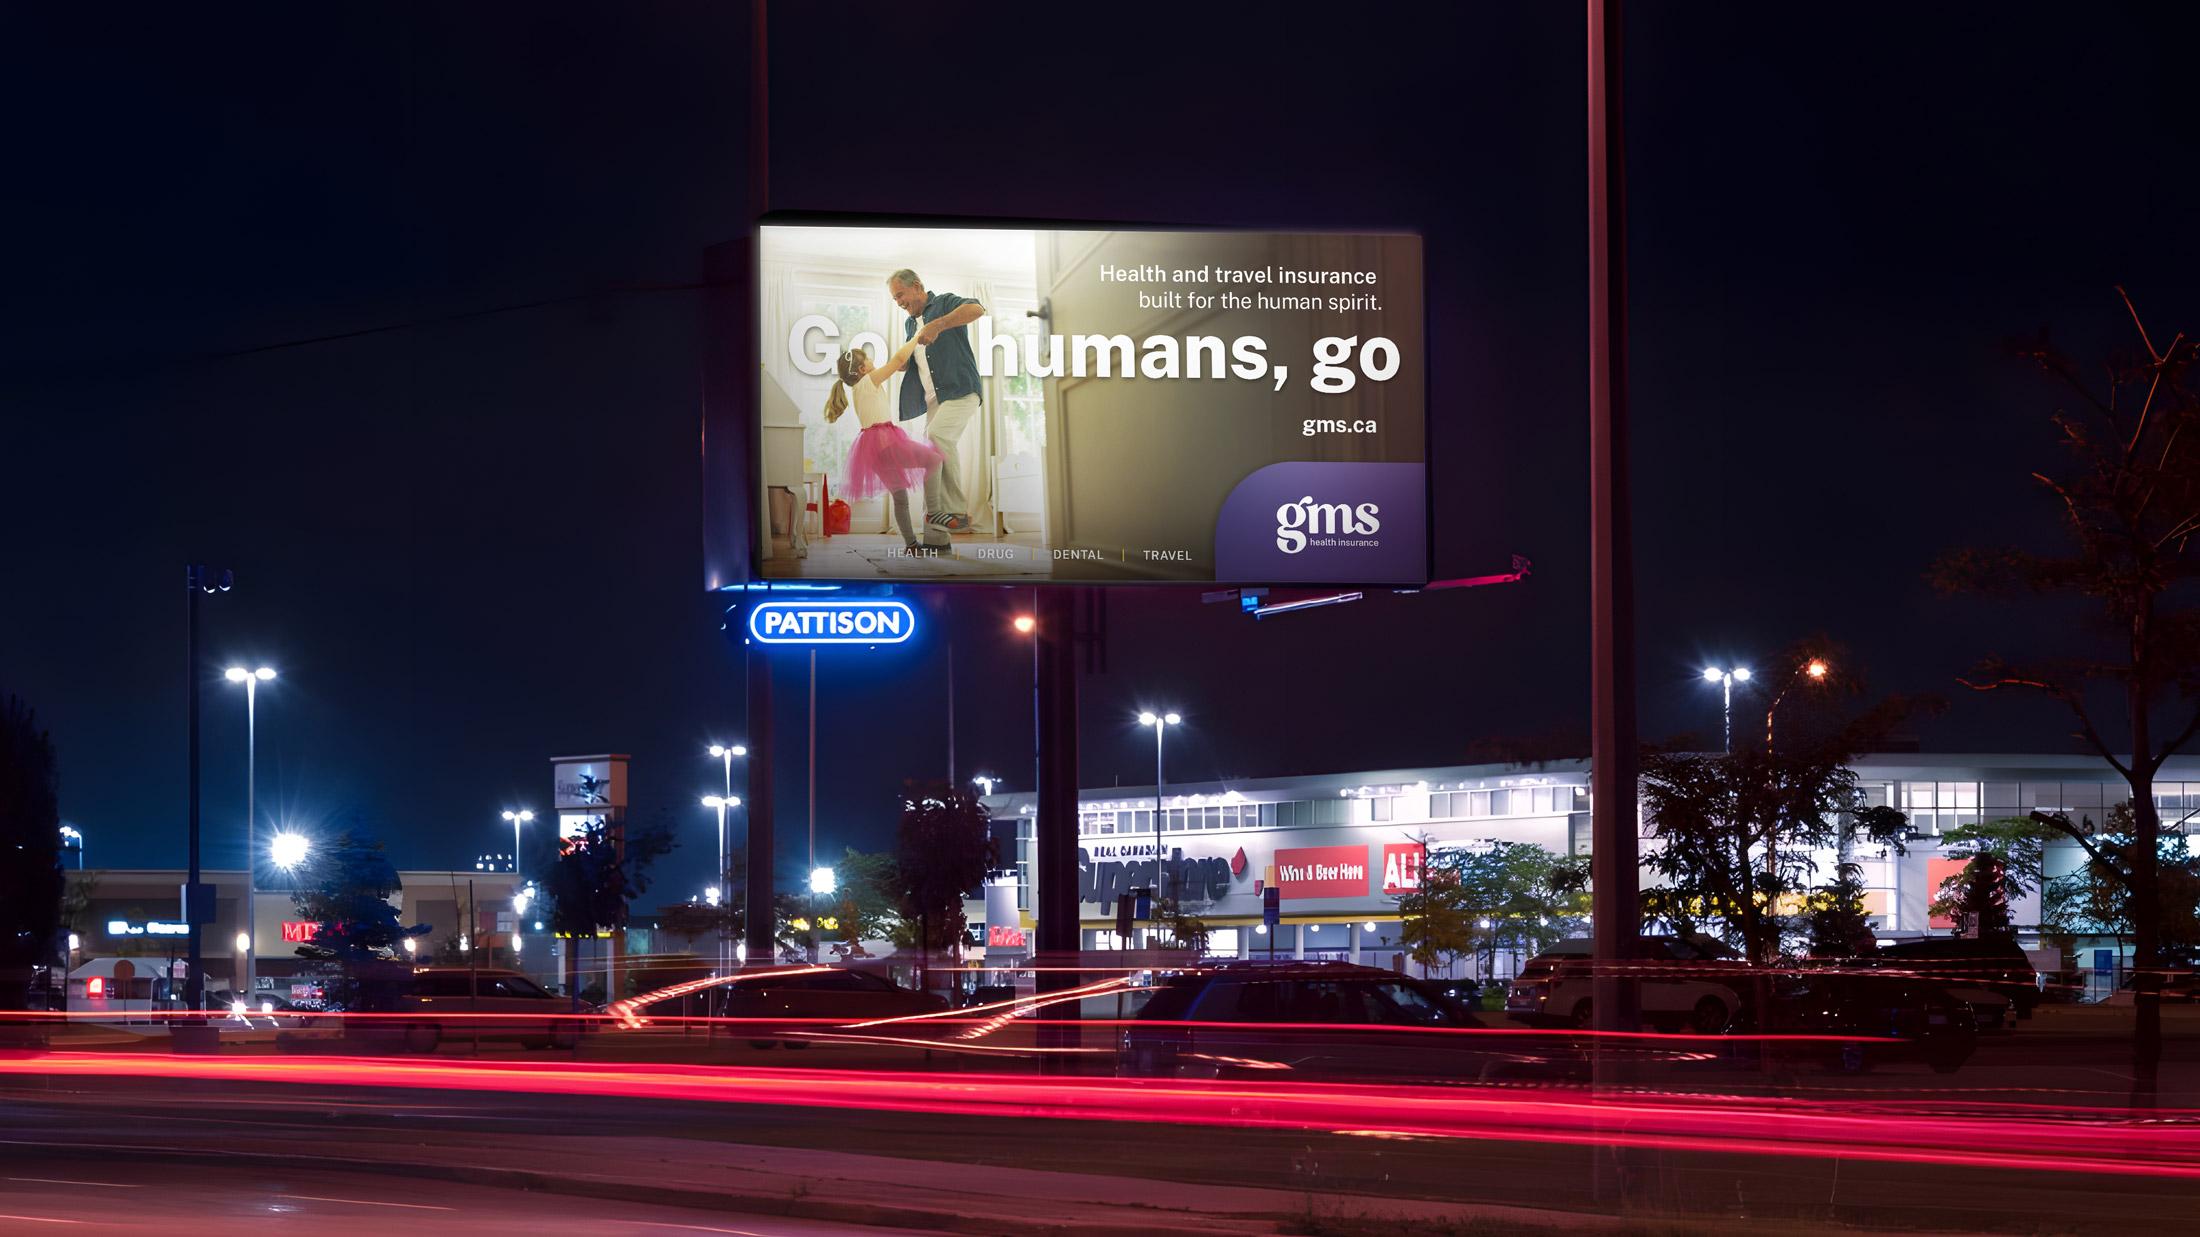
<point x="837" y="518"/>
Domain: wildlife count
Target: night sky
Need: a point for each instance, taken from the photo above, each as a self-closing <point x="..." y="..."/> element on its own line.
<point x="394" y="312"/>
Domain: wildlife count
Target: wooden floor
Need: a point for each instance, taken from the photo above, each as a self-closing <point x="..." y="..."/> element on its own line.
<point x="871" y="556"/>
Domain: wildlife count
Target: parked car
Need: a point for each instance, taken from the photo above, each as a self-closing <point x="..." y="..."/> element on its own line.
<point x="1686" y="983"/>
<point x="484" y="1004"/>
<point x="1998" y="966"/>
<point x="819" y="998"/>
<point x="1329" y="1020"/>
<point x="1882" y="1018"/>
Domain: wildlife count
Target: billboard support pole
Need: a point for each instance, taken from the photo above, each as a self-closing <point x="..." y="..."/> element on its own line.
<point x="1612" y="857"/>
<point x="757" y="894"/>
<point x="1056" y="829"/>
<point x="194" y="986"/>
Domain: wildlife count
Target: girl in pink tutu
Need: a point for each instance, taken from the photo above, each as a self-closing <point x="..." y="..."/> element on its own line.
<point x="884" y="460"/>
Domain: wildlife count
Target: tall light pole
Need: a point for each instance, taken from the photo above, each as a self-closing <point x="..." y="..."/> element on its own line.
<point x="251" y="680"/>
<point x="1815" y="669"/>
<point x="724" y="753"/>
<point x="1726" y="679"/>
<point x="985" y="782"/>
<point x="821" y="881"/>
<point x="70" y="834"/>
<point x="518" y="818"/>
<point x="721" y="803"/>
<point x="1160" y="723"/>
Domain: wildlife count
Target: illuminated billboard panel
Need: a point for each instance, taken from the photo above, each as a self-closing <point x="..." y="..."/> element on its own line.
<point x="999" y="405"/>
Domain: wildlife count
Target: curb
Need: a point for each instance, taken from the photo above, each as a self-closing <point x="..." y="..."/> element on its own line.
<point x="746" y="1202"/>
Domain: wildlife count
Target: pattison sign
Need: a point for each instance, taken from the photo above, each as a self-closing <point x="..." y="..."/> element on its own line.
<point x="872" y="621"/>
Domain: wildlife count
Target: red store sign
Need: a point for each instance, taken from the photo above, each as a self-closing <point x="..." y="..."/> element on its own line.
<point x="1402" y="867"/>
<point x="1321" y="872"/>
<point x="298" y="931"/>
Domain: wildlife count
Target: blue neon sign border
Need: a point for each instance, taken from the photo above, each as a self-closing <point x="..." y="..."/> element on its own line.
<point x="909" y="628"/>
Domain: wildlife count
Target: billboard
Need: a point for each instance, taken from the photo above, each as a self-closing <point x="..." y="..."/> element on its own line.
<point x="1023" y="405"/>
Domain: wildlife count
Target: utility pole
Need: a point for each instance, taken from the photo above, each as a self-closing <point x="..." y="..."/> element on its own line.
<point x="1613" y="861"/>
<point x="1058" y="946"/>
<point x="757" y="931"/>
<point x="197" y="898"/>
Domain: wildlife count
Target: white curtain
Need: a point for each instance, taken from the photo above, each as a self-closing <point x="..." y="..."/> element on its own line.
<point x="777" y="284"/>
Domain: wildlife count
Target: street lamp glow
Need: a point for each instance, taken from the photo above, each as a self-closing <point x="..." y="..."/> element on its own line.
<point x="716" y="801"/>
<point x="1816" y="668"/>
<point x="288" y="850"/>
<point x="986" y="780"/>
<point x="410" y="946"/>
<point x="821" y="880"/>
<point x="244" y="941"/>
<point x="1726" y="679"/>
<point x="523" y="815"/>
<point x="1024" y="624"/>
<point x="238" y="674"/>
<point x="722" y="751"/>
<point x="710" y="895"/>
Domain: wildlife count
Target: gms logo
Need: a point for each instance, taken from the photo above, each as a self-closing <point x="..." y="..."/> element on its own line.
<point x="1299" y="523"/>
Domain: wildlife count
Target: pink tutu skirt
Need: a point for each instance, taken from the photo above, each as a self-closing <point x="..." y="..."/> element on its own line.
<point x="885" y="460"/>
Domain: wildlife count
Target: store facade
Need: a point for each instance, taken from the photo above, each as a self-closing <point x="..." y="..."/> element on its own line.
<point x="135" y="916"/>
<point x="1341" y="849"/>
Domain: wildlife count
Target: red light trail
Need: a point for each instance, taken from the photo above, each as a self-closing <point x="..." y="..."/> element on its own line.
<point x="2162" y="1143"/>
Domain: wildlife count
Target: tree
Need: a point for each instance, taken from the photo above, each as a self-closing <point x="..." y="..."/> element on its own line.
<point x="2001" y="862"/>
<point x="2097" y="899"/>
<point x="1511" y="896"/>
<point x="1717" y="818"/>
<point x="2127" y="493"/>
<point x="1184" y="928"/>
<point x="30" y="851"/>
<point x="344" y="890"/>
<point x="595" y="880"/>
<point x="865" y="895"/>
<point x="1835" y="918"/>
<point x="944" y="852"/>
<point x="1434" y="922"/>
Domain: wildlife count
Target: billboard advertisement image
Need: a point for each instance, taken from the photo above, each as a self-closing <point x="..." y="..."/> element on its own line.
<point x="1003" y="405"/>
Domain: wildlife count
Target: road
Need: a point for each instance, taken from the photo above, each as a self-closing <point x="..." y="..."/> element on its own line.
<point x="986" y="1157"/>
<point x="45" y="1193"/>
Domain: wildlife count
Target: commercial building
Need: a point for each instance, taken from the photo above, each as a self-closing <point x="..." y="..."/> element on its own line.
<point x="1339" y="849"/>
<point x="135" y="916"/>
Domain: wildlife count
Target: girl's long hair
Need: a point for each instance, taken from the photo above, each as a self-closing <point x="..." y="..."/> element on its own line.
<point x="836" y="401"/>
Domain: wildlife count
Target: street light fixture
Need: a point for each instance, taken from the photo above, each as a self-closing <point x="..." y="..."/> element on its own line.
<point x="1160" y="723"/>
<point x="721" y="803"/>
<point x="286" y="850"/>
<point x="251" y="680"/>
<point x="987" y="781"/>
<point x="69" y="833"/>
<point x="1726" y="679"/>
<point x="518" y="818"/>
<point x="724" y="753"/>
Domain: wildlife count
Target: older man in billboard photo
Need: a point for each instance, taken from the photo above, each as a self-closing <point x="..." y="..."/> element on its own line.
<point x="944" y="384"/>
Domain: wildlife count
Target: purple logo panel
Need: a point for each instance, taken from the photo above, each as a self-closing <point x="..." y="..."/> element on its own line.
<point x="1323" y="523"/>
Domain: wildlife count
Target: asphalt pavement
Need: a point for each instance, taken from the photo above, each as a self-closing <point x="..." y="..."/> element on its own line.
<point x="1010" y="1174"/>
<point x="87" y="1196"/>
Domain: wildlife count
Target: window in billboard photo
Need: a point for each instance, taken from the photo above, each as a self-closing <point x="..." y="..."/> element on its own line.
<point x="1014" y="405"/>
